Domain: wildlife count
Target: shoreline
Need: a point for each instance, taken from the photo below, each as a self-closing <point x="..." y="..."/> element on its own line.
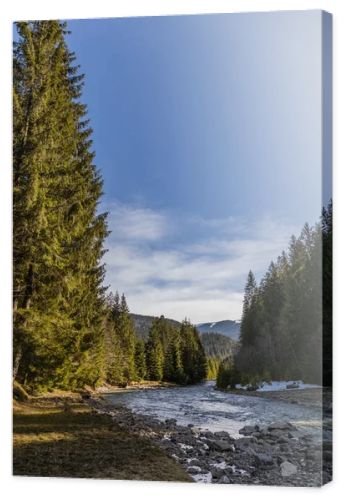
<point x="278" y="454"/>
<point x="306" y="397"/>
<point x="133" y="386"/>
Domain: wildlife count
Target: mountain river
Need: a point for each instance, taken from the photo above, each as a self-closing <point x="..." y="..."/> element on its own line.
<point x="206" y="408"/>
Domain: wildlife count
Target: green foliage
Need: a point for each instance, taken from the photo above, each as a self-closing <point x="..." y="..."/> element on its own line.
<point x="282" y="324"/>
<point x="175" y="355"/>
<point x="119" y="342"/>
<point x="227" y="375"/>
<point x="155" y="351"/>
<point x="57" y="235"/>
<point x="66" y="335"/>
<point x="113" y="355"/>
<point x="193" y="355"/>
<point x="140" y="360"/>
<point x="173" y="366"/>
<point x="218" y="346"/>
<point x="212" y="368"/>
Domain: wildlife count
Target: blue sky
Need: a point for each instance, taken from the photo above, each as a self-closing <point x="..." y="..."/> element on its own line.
<point x="207" y="131"/>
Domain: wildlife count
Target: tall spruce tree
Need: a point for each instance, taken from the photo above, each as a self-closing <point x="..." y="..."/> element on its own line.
<point x="57" y="235"/>
<point x="247" y="330"/>
<point x="113" y="355"/>
<point x="127" y="340"/>
<point x="193" y="355"/>
<point x="173" y="366"/>
<point x="155" y="352"/>
<point x="282" y="322"/>
<point x="140" y="360"/>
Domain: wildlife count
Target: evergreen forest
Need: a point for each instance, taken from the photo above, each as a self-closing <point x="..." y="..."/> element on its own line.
<point x="286" y="328"/>
<point x="67" y="333"/>
<point x="68" y="330"/>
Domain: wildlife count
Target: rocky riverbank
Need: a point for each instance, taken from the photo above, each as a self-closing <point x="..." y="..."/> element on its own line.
<point x="277" y="454"/>
<point x="306" y="397"/>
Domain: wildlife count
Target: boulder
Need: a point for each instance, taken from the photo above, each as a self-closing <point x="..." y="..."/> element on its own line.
<point x="293" y="385"/>
<point x="171" y="421"/>
<point x="252" y="387"/>
<point x="217" y="472"/>
<point x="194" y="463"/>
<point x="275" y="433"/>
<point x="222" y="434"/>
<point x="281" y="426"/>
<point x="221" y="446"/>
<point x="263" y="459"/>
<point x="247" y="430"/>
<point x="194" y="469"/>
<point x="288" y="469"/>
<point x="224" y="480"/>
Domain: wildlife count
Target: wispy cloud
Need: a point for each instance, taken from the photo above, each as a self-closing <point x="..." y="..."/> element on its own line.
<point x="202" y="274"/>
<point x="135" y="224"/>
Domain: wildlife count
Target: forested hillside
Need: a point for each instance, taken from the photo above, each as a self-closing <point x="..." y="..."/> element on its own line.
<point x="218" y="346"/>
<point x="171" y="352"/>
<point x="287" y="317"/>
<point x="143" y="324"/>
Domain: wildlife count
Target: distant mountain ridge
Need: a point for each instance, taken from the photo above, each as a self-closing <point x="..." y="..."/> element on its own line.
<point x="143" y="324"/>
<point x="218" y="346"/>
<point x="229" y="328"/>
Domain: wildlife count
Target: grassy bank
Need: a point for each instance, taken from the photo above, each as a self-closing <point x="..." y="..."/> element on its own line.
<point x="61" y="436"/>
<point x="134" y="386"/>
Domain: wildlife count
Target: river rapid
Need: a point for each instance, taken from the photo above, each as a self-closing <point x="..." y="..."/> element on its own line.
<point x="204" y="407"/>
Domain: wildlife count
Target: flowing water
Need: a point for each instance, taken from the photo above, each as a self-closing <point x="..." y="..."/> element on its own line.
<point x="204" y="407"/>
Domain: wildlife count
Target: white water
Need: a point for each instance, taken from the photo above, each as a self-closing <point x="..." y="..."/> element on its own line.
<point x="207" y="408"/>
<point x="276" y="385"/>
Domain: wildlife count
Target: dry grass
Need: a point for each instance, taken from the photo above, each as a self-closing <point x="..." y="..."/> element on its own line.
<point x="62" y="437"/>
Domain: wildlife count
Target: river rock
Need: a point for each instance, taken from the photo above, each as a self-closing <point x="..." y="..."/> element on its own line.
<point x="217" y="472"/>
<point x="221" y="446"/>
<point x="222" y="435"/>
<point x="288" y="469"/>
<point x="194" y="462"/>
<point x="263" y="458"/>
<point x="281" y="426"/>
<point x="170" y="422"/>
<point x="252" y="387"/>
<point x="224" y="480"/>
<point x="248" y="430"/>
<point x="275" y="434"/>
<point x="194" y="469"/>
<point x="207" y="435"/>
<point x="293" y="385"/>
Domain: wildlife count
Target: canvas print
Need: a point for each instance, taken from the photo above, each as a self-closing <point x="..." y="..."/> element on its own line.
<point x="172" y="248"/>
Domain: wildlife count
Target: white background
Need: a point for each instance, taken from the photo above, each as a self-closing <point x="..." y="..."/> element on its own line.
<point x="33" y="488"/>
